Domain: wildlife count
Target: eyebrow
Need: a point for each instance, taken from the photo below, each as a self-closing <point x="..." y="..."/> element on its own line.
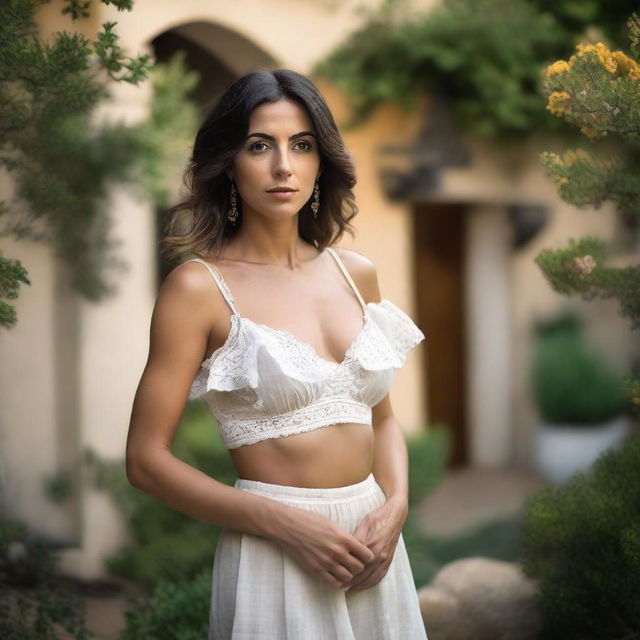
<point x="295" y="136"/>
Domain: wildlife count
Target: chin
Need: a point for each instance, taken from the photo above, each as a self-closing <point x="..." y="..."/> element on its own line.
<point x="279" y="213"/>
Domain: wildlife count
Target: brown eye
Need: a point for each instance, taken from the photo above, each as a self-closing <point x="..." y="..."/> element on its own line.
<point x="306" y="146"/>
<point x="254" y="146"/>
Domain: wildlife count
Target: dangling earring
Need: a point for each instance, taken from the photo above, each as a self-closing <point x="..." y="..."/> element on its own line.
<point x="315" y="203"/>
<point x="233" y="212"/>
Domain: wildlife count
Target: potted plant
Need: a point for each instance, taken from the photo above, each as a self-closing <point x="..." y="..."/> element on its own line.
<point x="580" y="400"/>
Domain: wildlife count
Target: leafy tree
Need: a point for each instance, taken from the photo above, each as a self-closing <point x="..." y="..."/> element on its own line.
<point x="12" y="273"/>
<point x="598" y="91"/>
<point x="61" y="161"/>
<point x="485" y="55"/>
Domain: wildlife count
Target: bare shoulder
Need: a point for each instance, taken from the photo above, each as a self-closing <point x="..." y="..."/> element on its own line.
<point x="188" y="278"/>
<point x="363" y="271"/>
<point x="189" y="290"/>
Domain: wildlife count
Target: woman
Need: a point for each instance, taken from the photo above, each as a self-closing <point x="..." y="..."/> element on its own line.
<point x="287" y="340"/>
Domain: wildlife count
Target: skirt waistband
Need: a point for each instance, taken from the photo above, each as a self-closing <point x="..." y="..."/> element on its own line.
<point x="314" y="494"/>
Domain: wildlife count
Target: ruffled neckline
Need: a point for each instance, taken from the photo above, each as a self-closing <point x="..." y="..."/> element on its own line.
<point x="237" y="320"/>
<point x="382" y="343"/>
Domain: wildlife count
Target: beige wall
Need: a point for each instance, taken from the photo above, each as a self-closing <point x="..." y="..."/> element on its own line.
<point x="109" y="341"/>
<point x="28" y="416"/>
<point x="499" y="177"/>
<point x="384" y="235"/>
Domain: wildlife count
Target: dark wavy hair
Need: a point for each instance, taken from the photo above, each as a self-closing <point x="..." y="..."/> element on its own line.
<point x="199" y="223"/>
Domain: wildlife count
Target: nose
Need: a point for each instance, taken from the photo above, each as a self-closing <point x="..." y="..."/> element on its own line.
<point x="282" y="166"/>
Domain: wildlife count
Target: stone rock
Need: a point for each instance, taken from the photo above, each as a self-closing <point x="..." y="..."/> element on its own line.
<point x="480" y="599"/>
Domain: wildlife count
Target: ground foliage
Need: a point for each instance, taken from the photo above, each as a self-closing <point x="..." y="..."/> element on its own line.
<point x="581" y="543"/>
<point x="34" y="602"/>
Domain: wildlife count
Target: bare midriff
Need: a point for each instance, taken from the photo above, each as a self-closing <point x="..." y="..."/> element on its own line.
<point x="327" y="457"/>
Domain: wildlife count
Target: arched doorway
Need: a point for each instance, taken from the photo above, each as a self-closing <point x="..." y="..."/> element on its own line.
<point x="218" y="55"/>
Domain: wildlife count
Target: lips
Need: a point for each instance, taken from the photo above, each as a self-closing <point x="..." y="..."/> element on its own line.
<point x="281" y="190"/>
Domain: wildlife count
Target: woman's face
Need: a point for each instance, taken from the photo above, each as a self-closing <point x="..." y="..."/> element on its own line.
<point x="280" y="151"/>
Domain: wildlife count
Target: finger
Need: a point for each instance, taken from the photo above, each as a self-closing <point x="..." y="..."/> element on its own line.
<point x="341" y="574"/>
<point x="374" y="573"/>
<point x="360" y="551"/>
<point x="364" y="575"/>
<point x="330" y="579"/>
<point x="362" y="531"/>
<point x="356" y="580"/>
<point x="354" y="565"/>
<point x="373" y="579"/>
<point x="351" y="562"/>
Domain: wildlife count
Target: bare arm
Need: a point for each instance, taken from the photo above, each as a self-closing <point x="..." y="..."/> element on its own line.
<point x="188" y="309"/>
<point x="381" y="529"/>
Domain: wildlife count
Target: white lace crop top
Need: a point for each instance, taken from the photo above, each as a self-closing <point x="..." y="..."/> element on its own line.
<point x="265" y="383"/>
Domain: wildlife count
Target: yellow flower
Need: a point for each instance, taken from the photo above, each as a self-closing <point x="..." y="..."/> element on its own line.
<point x="569" y="157"/>
<point x="625" y="64"/>
<point x="615" y="62"/>
<point x="563" y="180"/>
<point x="590" y="132"/>
<point x="560" y="66"/>
<point x="558" y="102"/>
<point x="602" y="51"/>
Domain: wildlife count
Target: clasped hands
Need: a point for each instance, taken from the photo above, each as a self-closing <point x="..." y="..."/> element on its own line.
<point x="349" y="561"/>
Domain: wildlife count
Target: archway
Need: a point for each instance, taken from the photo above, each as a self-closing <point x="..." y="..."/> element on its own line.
<point x="218" y="55"/>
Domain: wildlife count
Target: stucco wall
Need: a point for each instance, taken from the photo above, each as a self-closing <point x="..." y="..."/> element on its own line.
<point x="502" y="176"/>
<point x="112" y="337"/>
<point x="28" y="416"/>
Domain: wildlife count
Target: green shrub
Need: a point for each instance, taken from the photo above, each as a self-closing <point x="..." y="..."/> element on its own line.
<point x="175" y="611"/>
<point x="25" y="560"/>
<point x="582" y="543"/>
<point x="167" y="544"/>
<point x="178" y="609"/>
<point x="34" y="602"/>
<point x="428" y="453"/>
<point x="571" y="385"/>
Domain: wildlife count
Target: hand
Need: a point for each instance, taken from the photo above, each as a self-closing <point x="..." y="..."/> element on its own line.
<point x="379" y="530"/>
<point x="321" y="547"/>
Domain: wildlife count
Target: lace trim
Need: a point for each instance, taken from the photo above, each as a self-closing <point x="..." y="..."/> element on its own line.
<point x="387" y="336"/>
<point x="394" y="337"/>
<point x="236" y="433"/>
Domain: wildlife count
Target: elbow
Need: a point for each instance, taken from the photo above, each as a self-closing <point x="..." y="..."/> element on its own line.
<point x="135" y="473"/>
<point x="144" y="465"/>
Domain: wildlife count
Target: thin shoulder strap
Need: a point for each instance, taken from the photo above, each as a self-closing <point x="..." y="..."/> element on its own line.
<point x="219" y="280"/>
<point x="339" y="262"/>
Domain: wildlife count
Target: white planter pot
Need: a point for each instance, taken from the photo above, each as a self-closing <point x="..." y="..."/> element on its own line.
<point x="562" y="450"/>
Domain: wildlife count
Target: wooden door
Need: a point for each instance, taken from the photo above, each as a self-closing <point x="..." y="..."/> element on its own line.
<point x="439" y="272"/>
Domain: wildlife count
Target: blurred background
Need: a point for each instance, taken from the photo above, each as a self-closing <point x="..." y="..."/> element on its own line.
<point x="496" y="152"/>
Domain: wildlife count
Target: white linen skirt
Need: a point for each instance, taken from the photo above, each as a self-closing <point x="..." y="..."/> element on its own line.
<point x="260" y="593"/>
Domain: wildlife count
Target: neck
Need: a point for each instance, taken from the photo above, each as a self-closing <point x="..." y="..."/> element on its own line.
<point x="266" y="241"/>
